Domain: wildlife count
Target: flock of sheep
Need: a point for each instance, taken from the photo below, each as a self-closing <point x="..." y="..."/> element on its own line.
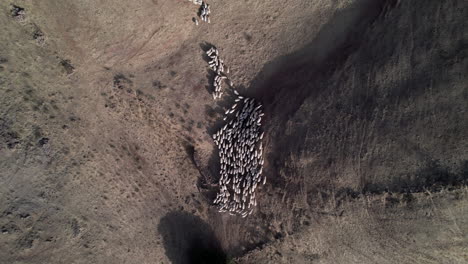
<point x="204" y="11"/>
<point x="217" y="65"/>
<point x="240" y="148"/>
<point x="239" y="141"/>
<point x="241" y="157"/>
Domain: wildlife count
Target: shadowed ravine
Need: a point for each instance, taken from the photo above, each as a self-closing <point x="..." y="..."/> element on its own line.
<point x="189" y="240"/>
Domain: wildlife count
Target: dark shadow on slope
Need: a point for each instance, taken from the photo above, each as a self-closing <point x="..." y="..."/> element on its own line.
<point x="189" y="240"/>
<point x="336" y="40"/>
<point x="432" y="176"/>
<point x="308" y="74"/>
<point x="286" y="82"/>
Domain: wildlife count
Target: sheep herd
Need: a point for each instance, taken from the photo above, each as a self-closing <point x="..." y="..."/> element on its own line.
<point x="240" y="147"/>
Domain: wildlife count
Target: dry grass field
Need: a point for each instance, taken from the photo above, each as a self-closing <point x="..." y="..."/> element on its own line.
<point x="106" y="118"/>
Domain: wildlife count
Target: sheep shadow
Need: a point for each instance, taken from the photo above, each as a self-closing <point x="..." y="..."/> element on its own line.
<point x="188" y="239"/>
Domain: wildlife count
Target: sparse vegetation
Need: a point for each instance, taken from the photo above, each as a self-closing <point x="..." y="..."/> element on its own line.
<point x="365" y="145"/>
